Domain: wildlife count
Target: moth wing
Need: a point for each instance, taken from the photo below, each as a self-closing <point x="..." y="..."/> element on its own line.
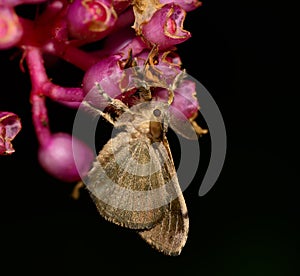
<point x="181" y="124"/>
<point x="127" y="182"/>
<point x="170" y="234"/>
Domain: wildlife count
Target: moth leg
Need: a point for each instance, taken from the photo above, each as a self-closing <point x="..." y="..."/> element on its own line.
<point x="115" y="103"/>
<point x="199" y="130"/>
<point x="118" y="106"/>
<point x="97" y="112"/>
<point x="102" y="93"/>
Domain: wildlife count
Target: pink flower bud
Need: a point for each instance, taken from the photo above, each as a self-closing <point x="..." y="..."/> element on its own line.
<point x="12" y="3"/>
<point x="187" y="5"/>
<point x="165" y="28"/>
<point x="120" y="42"/>
<point x="11" y="30"/>
<point x="90" y="20"/>
<point x="10" y="126"/>
<point x="121" y="5"/>
<point x="185" y="100"/>
<point x="167" y="68"/>
<point x="65" y="157"/>
<point x="103" y="72"/>
<point x="166" y="59"/>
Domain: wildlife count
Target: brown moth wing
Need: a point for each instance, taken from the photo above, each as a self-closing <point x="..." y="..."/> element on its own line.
<point x="122" y="192"/>
<point x="170" y="234"/>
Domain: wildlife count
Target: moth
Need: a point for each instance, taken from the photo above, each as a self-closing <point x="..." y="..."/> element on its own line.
<point x="133" y="181"/>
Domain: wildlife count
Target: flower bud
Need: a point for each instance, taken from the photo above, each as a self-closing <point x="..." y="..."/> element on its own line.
<point x="121" y="42"/>
<point x="121" y="5"/>
<point x="65" y="157"/>
<point x="13" y="3"/>
<point x="10" y="125"/>
<point x="90" y="20"/>
<point x="165" y="28"/>
<point x="187" y="5"/>
<point x="185" y="99"/>
<point x="107" y="72"/>
<point x="166" y="60"/>
<point x="11" y="30"/>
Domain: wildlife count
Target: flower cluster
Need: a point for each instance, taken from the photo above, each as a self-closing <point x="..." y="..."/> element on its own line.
<point x="129" y="30"/>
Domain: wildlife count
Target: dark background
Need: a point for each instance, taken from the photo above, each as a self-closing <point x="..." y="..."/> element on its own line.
<point x="246" y="225"/>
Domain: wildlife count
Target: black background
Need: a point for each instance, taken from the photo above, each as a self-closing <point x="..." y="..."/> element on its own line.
<point x="247" y="223"/>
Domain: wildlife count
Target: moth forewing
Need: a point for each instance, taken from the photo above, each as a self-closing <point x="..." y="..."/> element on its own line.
<point x="170" y="234"/>
<point x="121" y="193"/>
<point x="131" y="181"/>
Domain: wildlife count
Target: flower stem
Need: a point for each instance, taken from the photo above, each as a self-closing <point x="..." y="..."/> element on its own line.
<point x="38" y="78"/>
<point x="71" y="54"/>
<point x="59" y="93"/>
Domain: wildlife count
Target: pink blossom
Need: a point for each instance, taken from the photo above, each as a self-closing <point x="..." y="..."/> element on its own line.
<point x="187" y="5"/>
<point x="184" y="98"/>
<point x="90" y="20"/>
<point x="121" y="5"/>
<point x="165" y="27"/>
<point x="102" y="72"/>
<point x="12" y="3"/>
<point x="11" y="30"/>
<point x="10" y="125"/>
<point x="65" y="157"/>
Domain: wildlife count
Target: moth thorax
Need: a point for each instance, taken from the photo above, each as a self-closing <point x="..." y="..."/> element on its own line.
<point x="155" y="131"/>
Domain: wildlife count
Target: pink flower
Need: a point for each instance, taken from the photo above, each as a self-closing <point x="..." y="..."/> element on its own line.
<point x="165" y="28"/>
<point x="90" y="20"/>
<point x="12" y="3"/>
<point x="185" y="100"/>
<point x="121" y="5"/>
<point x="107" y="72"/>
<point x="65" y="157"/>
<point x="11" y="30"/>
<point x="10" y="125"/>
<point x="121" y="42"/>
<point x="187" y="5"/>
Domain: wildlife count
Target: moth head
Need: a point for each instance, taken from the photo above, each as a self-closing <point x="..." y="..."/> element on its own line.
<point x="158" y="111"/>
<point x="158" y="124"/>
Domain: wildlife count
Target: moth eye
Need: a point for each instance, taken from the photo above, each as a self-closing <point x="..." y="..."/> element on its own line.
<point x="156" y="112"/>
